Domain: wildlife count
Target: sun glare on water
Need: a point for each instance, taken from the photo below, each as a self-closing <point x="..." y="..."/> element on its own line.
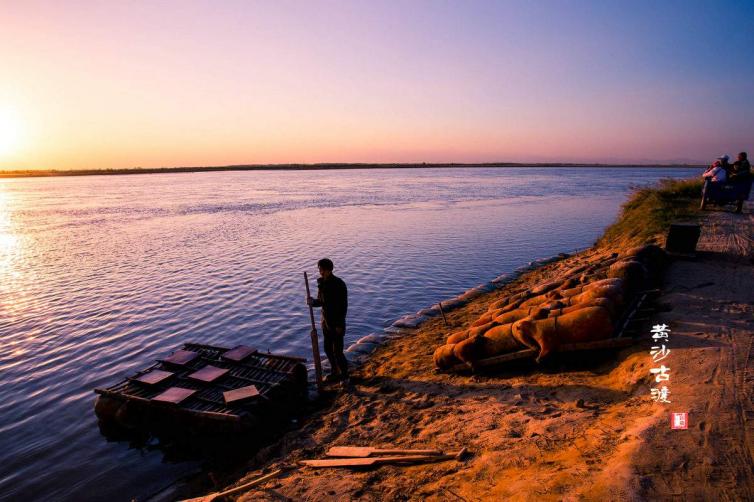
<point x="8" y="239"/>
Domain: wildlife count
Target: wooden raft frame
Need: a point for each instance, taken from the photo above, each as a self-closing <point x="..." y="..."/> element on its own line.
<point x="640" y="307"/>
<point x="277" y="378"/>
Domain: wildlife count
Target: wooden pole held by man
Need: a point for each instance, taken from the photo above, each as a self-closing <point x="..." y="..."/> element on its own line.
<point x="315" y="341"/>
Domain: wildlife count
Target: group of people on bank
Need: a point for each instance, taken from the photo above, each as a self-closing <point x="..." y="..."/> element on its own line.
<point x="722" y="170"/>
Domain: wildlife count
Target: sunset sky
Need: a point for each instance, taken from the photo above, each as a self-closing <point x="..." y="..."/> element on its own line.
<point x="116" y="84"/>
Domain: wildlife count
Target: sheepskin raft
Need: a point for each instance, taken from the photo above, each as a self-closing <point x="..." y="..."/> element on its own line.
<point x="206" y="388"/>
<point x="625" y="335"/>
<point x="588" y="306"/>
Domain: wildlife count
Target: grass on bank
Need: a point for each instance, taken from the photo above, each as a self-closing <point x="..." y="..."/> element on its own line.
<point x="647" y="214"/>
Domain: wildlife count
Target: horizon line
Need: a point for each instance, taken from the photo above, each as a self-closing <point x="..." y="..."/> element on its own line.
<point x="30" y="173"/>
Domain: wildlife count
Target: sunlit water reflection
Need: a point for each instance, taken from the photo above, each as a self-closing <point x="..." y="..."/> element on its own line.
<point x="100" y="275"/>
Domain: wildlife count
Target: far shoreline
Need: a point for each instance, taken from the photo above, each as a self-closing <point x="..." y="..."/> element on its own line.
<point x="42" y="173"/>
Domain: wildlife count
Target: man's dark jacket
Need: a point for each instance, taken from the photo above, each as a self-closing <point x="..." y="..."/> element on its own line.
<point x="741" y="170"/>
<point x="332" y="296"/>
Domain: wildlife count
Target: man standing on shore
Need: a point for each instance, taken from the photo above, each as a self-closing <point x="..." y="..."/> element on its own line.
<point x="332" y="296"/>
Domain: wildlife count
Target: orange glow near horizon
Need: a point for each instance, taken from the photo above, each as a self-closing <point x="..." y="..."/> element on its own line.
<point x="11" y="133"/>
<point x="118" y="85"/>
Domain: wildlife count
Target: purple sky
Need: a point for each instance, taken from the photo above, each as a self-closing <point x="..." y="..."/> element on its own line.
<point x="124" y="84"/>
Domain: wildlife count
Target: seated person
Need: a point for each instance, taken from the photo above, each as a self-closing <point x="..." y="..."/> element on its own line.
<point x="741" y="169"/>
<point x="725" y="163"/>
<point x="715" y="173"/>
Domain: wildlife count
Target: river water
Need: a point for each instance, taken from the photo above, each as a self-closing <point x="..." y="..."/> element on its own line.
<point x="100" y="275"/>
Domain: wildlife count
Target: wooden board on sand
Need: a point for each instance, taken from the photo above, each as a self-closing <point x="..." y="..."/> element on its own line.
<point x="374" y="461"/>
<point x="368" y="451"/>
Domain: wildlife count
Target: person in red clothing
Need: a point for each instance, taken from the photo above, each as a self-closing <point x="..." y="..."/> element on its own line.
<point x="715" y="173"/>
<point x="332" y="296"/>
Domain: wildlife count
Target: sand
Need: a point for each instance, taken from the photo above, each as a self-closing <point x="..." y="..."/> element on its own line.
<point x="583" y="429"/>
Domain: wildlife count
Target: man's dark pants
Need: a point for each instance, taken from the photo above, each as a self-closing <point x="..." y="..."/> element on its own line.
<point x="333" y="342"/>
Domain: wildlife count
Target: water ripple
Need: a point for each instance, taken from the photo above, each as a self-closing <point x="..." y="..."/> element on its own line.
<point x="99" y="275"/>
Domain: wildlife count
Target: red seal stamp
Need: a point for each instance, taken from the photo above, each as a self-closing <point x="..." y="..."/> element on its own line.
<point x="679" y="420"/>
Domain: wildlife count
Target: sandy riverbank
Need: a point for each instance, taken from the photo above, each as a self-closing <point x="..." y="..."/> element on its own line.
<point x="556" y="431"/>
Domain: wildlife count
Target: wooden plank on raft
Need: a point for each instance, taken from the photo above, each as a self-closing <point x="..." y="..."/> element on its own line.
<point x="181" y="357"/>
<point x="239" y="353"/>
<point x="208" y="374"/>
<point x="174" y="395"/>
<point x="154" y="377"/>
<point x="242" y="394"/>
